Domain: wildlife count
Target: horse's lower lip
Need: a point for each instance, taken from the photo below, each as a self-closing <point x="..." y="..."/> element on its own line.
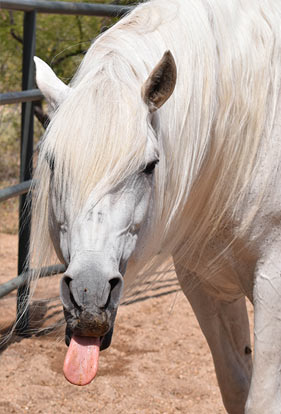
<point x="105" y="339"/>
<point x="69" y="334"/>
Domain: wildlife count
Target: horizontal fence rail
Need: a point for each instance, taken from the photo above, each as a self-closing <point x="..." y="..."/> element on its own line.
<point x="59" y="7"/>
<point x="21" y="280"/>
<point x="15" y="190"/>
<point x="22" y="96"/>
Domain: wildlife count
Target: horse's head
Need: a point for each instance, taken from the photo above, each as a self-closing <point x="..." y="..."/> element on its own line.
<point x="97" y="240"/>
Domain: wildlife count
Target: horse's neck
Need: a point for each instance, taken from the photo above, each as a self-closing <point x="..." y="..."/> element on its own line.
<point x="266" y="183"/>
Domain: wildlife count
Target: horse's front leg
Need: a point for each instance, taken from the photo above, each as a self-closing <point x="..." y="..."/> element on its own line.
<point x="226" y="328"/>
<point x="265" y="394"/>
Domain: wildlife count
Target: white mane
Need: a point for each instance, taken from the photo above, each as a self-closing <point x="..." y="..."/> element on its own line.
<point x="228" y="63"/>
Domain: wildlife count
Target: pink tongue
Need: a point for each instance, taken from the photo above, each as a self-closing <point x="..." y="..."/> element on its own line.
<point x="81" y="361"/>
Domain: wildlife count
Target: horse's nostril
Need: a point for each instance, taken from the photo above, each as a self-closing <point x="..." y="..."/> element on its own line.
<point x="114" y="292"/>
<point x="66" y="294"/>
<point x="67" y="280"/>
<point x="116" y="284"/>
<point x="113" y="282"/>
<point x="92" y="294"/>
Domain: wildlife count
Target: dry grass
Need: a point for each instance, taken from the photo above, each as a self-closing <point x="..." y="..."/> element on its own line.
<point x="9" y="164"/>
<point x="10" y="116"/>
<point x="9" y="214"/>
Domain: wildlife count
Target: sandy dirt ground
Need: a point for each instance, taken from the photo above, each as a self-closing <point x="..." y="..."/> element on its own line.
<point x="158" y="361"/>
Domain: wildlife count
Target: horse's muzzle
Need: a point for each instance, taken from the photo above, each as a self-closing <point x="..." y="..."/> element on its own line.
<point x="89" y="324"/>
<point x="90" y="300"/>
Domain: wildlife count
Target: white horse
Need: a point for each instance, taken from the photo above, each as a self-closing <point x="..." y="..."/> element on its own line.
<point x="168" y="142"/>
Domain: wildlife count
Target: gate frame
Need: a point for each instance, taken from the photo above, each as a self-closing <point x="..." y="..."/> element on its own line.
<point x="27" y="96"/>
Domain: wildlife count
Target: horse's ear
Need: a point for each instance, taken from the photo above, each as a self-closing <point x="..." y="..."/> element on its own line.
<point x="54" y="90"/>
<point x="161" y="82"/>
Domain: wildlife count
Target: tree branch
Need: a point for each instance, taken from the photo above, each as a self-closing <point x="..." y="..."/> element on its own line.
<point x="16" y="37"/>
<point x="68" y="55"/>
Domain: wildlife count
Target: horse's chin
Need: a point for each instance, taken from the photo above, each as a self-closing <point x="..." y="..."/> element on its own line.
<point x="105" y="340"/>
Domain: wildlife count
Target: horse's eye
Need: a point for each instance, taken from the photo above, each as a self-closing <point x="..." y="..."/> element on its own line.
<point x="51" y="161"/>
<point x="150" y="167"/>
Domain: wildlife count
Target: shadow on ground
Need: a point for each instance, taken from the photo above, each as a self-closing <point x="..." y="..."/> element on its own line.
<point x="46" y="316"/>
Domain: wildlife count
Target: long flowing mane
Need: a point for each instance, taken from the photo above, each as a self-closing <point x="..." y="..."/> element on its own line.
<point x="210" y="131"/>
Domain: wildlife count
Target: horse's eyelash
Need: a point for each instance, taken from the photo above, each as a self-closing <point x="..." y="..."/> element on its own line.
<point x="149" y="168"/>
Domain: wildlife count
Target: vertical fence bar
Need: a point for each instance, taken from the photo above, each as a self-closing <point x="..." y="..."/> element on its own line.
<point x="29" y="36"/>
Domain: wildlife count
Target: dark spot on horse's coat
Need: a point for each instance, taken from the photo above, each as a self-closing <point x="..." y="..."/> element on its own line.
<point x="85" y="290"/>
<point x="248" y="350"/>
<point x="90" y="215"/>
<point x="134" y="72"/>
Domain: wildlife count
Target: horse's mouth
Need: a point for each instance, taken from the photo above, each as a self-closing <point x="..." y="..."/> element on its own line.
<point x="85" y="337"/>
<point x="105" y="340"/>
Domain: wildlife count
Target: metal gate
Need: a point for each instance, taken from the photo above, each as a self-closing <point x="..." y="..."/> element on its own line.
<point x="27" y="96"/>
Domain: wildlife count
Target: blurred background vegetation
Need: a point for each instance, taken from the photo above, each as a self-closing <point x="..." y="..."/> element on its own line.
<point x="61" y="41"/>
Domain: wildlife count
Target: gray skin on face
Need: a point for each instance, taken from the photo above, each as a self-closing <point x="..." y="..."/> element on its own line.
<point x="96" y="247"/>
